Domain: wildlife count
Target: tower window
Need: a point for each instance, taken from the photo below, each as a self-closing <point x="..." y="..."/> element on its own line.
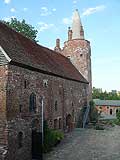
<point x="69" y="57"/>
<point x="81" y="55"/>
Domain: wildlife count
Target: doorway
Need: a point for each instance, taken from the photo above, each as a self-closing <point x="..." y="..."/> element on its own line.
<point x="36" y="141"/>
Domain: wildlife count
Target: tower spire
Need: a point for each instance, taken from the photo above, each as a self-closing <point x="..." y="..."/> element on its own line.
<point x="77" y="29"/>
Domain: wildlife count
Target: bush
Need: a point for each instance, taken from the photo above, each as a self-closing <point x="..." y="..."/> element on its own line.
<point x="98" y="127"/>
<point x="51" y="138"/>
<point x="118" y="116"/>
<point x="94" y="115"/>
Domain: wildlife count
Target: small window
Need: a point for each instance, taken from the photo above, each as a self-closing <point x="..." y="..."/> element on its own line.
<point x="116" y="111"/>
<point x="45" y="83"/>
<point x="56" y="106"/>
<point x="20" y="139"/>
<point x="55" y="123"/>
<point x="60" y="123"/>
<point x="32" y="103"/>
<point x="81" y="55"/>
<point x="110" y="111"/>
<point x="25" y="84"/>
<point x="69" y="58"/>
<point x="20" y="108"/>
<point x="107" y="107"/>
<point x="100" y="107"/>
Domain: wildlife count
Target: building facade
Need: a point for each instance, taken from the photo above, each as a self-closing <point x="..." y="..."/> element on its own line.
<point x="108" y="109"/>
<point x="37" y="83"/>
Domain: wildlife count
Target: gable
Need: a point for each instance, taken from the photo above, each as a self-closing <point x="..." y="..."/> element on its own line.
<point x="4" y="58"/>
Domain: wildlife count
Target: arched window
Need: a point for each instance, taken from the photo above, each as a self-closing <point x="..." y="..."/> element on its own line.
<point x="55" y="123"/>
<point x="20" y="139"/>
<point x="110" y="111"/>
<point x="32" y="103"/>
<point x="60" y="123"/>
<point x="56" y="106"/>
<point x="116" y="111"/>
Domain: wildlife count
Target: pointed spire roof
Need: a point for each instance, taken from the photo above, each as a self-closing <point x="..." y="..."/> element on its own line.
<point x="77" y="28"/>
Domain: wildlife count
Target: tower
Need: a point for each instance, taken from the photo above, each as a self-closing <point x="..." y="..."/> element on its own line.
<point x="78" y="50"/>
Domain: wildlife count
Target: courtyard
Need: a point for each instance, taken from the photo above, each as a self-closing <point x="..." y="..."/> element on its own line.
<point x="88" y="144"/>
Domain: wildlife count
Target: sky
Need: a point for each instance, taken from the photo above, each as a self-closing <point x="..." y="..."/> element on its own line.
<point x="101" y="22"/>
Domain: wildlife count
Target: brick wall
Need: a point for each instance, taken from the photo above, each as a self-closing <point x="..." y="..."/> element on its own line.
<point x="79" y="52"/>
<point x="61" y="97"/>
<point x="3" y="122"/>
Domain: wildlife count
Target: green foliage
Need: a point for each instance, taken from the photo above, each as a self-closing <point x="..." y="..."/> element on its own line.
<point x="99" y="127"/>
<point x="99" y="94"/>
<point x="118" y="117"/>
<point x="51" y="138"/>
<point x="94" y="115"/>
<point x="115" y="122"/>
<point x="23" y="27"/>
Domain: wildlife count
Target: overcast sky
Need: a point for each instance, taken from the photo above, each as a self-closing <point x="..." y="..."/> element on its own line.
<point x="101" y="21"/>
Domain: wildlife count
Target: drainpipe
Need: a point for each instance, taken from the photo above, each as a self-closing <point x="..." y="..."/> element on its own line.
<point x="42" y="118"/>
<point x="42" y="104"/>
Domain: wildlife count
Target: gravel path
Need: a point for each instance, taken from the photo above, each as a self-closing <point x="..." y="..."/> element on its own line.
<point x="88" y="144"/>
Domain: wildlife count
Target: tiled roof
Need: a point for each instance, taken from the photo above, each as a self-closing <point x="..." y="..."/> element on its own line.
<point x="99" y="102"/>
<point x="24" y="51"/>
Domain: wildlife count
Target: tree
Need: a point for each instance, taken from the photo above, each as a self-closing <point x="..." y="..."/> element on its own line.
<point x="99" y="94"/>
<point x="22" y="27"/>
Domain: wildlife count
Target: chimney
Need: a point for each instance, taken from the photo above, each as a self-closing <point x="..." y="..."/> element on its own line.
<point x="58" y="43"/>
<point x="57" y="48"/>
<point x="69" y="34"/>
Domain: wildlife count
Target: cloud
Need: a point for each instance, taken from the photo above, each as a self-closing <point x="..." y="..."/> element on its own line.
<point x="13" y="10"/>
<point x="54" y="9"/>
<point x="74" y="1"/>
<point x="67" y="21"/>
<point x="7" y="1"/>
<point x="44" y="26"/>
<point x="45" y="11"/>
<point x="89" y="11"/>
<point x="25" y="9"/>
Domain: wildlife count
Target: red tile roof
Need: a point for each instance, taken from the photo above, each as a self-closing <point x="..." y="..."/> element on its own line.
<point x="24" y="51"/>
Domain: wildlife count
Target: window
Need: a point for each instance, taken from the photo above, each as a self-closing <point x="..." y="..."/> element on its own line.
<point x="81" y="55"/>
<point x="56" y="106"/>
<point x="20" y="108"/>
<point x="55" y="123"/>
<point x="25" y="84"/>
<point x="60" y="123"/>
<point x="32" y="103"/>
<point x="69" y="57"/>
<point x="45" y="83"/>
<point x="116" y="111"/>
<point x="20" y="139"/>
<point x="110" y="111"/>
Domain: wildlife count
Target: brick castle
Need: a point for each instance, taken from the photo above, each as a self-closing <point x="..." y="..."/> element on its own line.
<point x="35" y="82"/>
